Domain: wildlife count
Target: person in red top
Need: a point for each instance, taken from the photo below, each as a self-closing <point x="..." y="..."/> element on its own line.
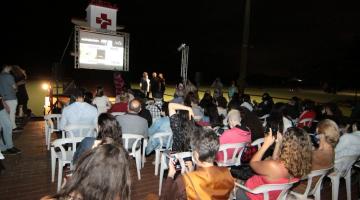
<point x="290" y="162"/>
<point x="122" y="105"/>
<point x="236" y="134"/>
<point x="308" y="115"/>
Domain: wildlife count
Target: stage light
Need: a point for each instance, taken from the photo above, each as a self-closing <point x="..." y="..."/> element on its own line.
<point x="45" y="86"/>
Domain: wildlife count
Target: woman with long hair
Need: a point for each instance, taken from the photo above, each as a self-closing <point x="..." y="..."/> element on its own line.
<point x="102" y="174"/>
<point x="293" y="163"/>
<point x="101" y="100"/>
<point x="108" y="127"/>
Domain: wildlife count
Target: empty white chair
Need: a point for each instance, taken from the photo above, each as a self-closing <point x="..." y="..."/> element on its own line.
<point x="164" y="164"/>
<point x="235" y="159"/>
<point x="342" y="169"/>
<point x="135" y="149"/>
<point x="51" y="127"/>
<point x="63" y="156"/>
<point x="164" y="144"/>
<point x="77" y="130"/>
<point x="316" y="190"/>
<point x="258" y="143"/>
<point x="265" y="189"/>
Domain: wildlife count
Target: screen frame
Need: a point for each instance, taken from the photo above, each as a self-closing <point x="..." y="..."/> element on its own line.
<point x="126" y="37"/>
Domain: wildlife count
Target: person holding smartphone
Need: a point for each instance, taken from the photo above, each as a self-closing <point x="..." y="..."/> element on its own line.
<point x="196" y="184"/>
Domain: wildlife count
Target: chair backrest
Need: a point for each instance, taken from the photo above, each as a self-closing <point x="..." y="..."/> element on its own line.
<point x="343" y="164"/>
<point x="266" y="188"/>
<point x="180" y="156"/>
<point x="321" y="173"/>
<point x="164" y="139"/>
<point x="1" y="156"/>
<point x="306" y="121"/>
<point x="77" y="130"/>
<point x="258" y="142"/>
<point x="58" y="143"/>
<point x="238" y="149"/>
<point x="117" y="113"/>
<point x="128" y="138"/>
<point x="50" y="119"/>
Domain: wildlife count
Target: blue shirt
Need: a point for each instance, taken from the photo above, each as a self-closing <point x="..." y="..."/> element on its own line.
<point x="161" y="125"/>
<point x="7" y="90"/>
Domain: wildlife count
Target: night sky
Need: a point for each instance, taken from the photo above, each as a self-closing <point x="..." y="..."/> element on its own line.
<point x="314" y="40"/>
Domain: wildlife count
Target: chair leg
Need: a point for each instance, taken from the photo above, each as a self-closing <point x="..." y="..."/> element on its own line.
<point x="348" y="185"/>
<point x="157" y="158"/>
<point x="162" y="169"/>
<point x="48" y="138"/>
<point x="60" y="172"/>
<point x="138" y="164"/>
<point x="53" y="162"/>
<point x="335" y="186"/>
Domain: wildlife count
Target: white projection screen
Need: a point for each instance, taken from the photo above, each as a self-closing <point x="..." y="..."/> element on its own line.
<point x="102" y="51"/>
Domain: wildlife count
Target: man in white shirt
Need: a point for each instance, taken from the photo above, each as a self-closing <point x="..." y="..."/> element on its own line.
<point x="349" y="143"/>
<point x="79" y="113"/>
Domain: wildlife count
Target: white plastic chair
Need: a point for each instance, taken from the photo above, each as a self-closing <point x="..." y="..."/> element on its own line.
<point x="316" y="190"/>
<point x="342" y="169"/>
<point x="265" y="189"/>
<point x="164" y="165"/>
<point x="64" y="156"/>
<point x="263" y="119"/>
<point x="306" y="122"/>
<point x="50" y="127"/>
<point x="165" y="142"/>
<point x="1" y="156"/>
<point x="236" y="157"/>
<point x="258" y="143"/>
<point x="117" y="113"/>
<point x="79" y="130"/>
<point x="135" y="149"/>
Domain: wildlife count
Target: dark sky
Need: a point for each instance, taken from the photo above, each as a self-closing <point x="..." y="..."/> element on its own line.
<point x="313" y="39"/>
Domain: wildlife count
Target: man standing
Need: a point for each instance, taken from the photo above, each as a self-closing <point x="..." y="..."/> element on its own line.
<point x="131" y="122"/>
<point x="6" y="142"/>
<point x="79" y="113"/>
<point x="8" y="92"/>
<point x="154" y="84"/>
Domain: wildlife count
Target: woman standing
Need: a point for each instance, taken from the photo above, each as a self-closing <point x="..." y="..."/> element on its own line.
<point x="145" y="84"/>
<point x="21" y="94"/>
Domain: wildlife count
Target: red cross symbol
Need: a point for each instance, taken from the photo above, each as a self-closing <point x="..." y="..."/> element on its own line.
<point x="103" y="21"/>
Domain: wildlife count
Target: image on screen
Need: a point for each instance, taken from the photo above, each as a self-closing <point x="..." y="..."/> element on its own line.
<point x="100" y="51"/>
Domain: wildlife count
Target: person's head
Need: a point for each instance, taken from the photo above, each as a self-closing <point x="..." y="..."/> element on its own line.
<point x="157" y="96"/>
<point x="109" y="128"/>
<point x="355" y="126"/>
<point x="332" y="109"/>
<point x="145" y="74"/>
<point x="165" y="109"/>
<point x="134" y="106"/>
<point x="221" y="102"/>
<point x="190" y="99"/>
<point x="123" y="97"/>
<point x="233" y="118"/>
<point x="213" y="114"/>
<point x="246" y="98"/>
<point x="161" y="75"/>
<point x="266" y="97"/>
<point x="99" y="91"/>
<point x="79" y="95"/>
<point x="205" y="144"/>
<point x="328" y="131"/>
<point x="296" y="152"/>
<point x="154" y="74"/>
<point x="101" y="173"/>
<point x="308" y="105"/>
<point x="6" y="68"/>
<point x="17" y="71"/>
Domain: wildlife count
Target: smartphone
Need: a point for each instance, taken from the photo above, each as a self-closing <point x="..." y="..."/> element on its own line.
<point x="175" y="161"/>
<point x="274" y="130"/>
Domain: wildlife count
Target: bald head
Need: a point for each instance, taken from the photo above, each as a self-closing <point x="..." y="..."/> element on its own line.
<point x="134" y="106"/>
<point x="234" y="118"/>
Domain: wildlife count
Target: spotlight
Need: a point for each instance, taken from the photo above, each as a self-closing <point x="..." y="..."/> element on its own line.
<point x="45" y="86"/>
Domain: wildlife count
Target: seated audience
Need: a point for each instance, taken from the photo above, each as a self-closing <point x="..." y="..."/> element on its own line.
<point x="155" y="106"/>
<point x="145" y="113"/>
<point x="308" y="112"/>
<point x="349" y="143"/>
<point x="102" y="173"/>
<point x="131" y="122"/>
<point x="265" y="106"/>
<point x="101" y="101"/>
<point x="161" y="125"/>
<point x="180" y="123"/>
<point x="236" y="134"/>
<point x="192" y="101"/>
<point x="252" y="122"/>
<point x="293" y="107"/>
<point x="247" y="102"/>
<point x="78" y="113"/>
<point x="207" y="181"/>
<point x="121" y="104"/>
<point x="108" y="127"/>
<point x="222" y="106"/>
<point x="294" y="162"/>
